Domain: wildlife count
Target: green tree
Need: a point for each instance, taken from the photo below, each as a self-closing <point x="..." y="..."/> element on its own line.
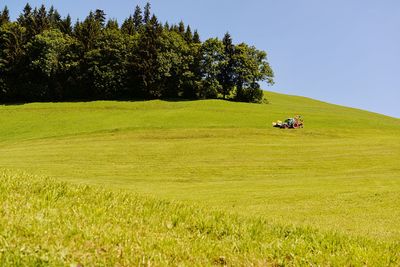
<point x="226" y="76"/>
<point x="181" y="28"/>
<point x="188" y="34"/>
<point x="212" y="52"/>
<point x="42" y="57"/>
<point x="166" y="26"/>
<point x="100" y="17"/>
<point x="128" y="27"/>
<point x="66" y="25"/>
<point x="196" y="37"/>
<point x="138" y="18"/>
<point x="27" y="20"/>
<point x="144" y="62"/>
<point x="54" y="18"/>
<point x="41" y="21"/>
<point x="112" y="24"/>
<point x="12" y="39"/>
<point x="251" y="66"/>
<point x="107" y="65"/>
<point x="51" y="56"/>
<point x="147" y="13"/>
<point x="88" y="31"/>
<point x="173" y="65"/>
<point x="4" y="16"/>
<point x="194" y="81"/>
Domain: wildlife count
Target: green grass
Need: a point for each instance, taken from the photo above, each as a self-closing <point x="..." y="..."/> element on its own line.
<point x="45" y="222"/>
<point x="338" y="176"/>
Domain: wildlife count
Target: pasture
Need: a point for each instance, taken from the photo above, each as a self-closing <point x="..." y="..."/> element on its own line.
<point x="337" y="179"/>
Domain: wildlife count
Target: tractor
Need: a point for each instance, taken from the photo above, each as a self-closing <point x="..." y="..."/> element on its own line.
<point x="290" y="123"/>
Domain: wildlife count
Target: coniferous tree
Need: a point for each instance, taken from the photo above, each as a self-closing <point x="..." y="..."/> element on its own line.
<point x="88" y="31"/>
<point x="175" y="28"/>
<point x="26" y="17"/>
<point x="196" y="37"/>
<point x="146" y="59"/>
<point x="26" y="20"/>
<point x="128" y="27"/>
<point x="181" y="28"/>
<point x="166" y="26"/>
<point x="100" y="17"/>
<point x="188" y="34"/>
<point x="12" y="65"/>
<point x="147" y="13"/>
<point x="112" y="24"/>
<point x="4" y="16"/>
<point x="227" y="74"/>
<point x="138" y="18"/>
<point x="54" y="18"/>
<point x="42" y="57"/>
<point x="41" y="20"/>
<point x="66" y="25"/>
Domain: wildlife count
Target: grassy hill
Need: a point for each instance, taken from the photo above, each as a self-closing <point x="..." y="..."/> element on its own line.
<point x="337" y="179"/>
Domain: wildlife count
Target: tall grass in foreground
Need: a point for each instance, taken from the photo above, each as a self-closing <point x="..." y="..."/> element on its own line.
<point x="44" y="222"/>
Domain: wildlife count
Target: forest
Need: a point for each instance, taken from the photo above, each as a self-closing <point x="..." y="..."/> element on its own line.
<point x="47" y="57"/>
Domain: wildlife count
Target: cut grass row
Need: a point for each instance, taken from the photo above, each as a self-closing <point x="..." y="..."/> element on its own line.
<point x="46" y="222"/>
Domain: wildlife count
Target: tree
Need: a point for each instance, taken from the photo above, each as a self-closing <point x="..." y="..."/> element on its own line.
<point x="193" y="86"/>
<point x="12" y="39"/>
<point x="42" y="57"/>
<point x="107" y="65"/>
<point x="26" y="17"/>
<point x="4" y="16"/>
<point x="147" y="13"/>
<point x="138" y="18"/>
<point x="166" y="26"/>
<point x="112" y="24"/>
<point x="26" y="20"/>
<point x="212" y="52"/>
<point x="227" y="73"/>
<point x="100" y="17"/>
<point x="128" y="27"/>
<point x="51" y="55"/>
<point x="181" y="28"/>
<point x="145" y="64"/>
<point x="173" y="65"/>
<point x="41" y="20"/>
<point x="188" y="34"/>
<point x="88" y="31"/>
<point x="54" y="18"/>
<point x="251" y="66"/>
<point x="196" y="37"/>
<point x="66" y="25"/>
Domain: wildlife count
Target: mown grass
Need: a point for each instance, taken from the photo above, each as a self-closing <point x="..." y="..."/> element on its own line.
<point x="340" y="174"/>
<point x="45" y="222"/>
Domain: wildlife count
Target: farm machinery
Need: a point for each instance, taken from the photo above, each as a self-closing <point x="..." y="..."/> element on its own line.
<point x="290" y="123"/>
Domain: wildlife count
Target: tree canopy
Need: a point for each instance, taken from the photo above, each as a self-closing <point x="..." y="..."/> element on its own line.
<point x="43" y="57"/>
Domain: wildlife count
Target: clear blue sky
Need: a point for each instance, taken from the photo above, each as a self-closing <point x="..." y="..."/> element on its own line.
<point x="341" y="51"/>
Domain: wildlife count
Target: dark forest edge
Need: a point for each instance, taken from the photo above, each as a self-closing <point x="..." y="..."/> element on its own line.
<point x="43" y="57"/>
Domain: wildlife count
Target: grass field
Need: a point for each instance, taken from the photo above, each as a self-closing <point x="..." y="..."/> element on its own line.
<point x="337" y="179"/>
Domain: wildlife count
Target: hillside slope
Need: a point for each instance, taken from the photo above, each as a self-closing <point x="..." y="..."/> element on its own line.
<point x="340" y="173"/>
<point x="47" y="223"/>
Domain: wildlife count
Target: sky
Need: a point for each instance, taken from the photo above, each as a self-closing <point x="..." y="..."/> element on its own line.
<point x="345" y="52"/>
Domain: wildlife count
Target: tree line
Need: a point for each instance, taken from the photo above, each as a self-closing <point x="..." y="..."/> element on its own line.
<point x="46" y="57"/>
